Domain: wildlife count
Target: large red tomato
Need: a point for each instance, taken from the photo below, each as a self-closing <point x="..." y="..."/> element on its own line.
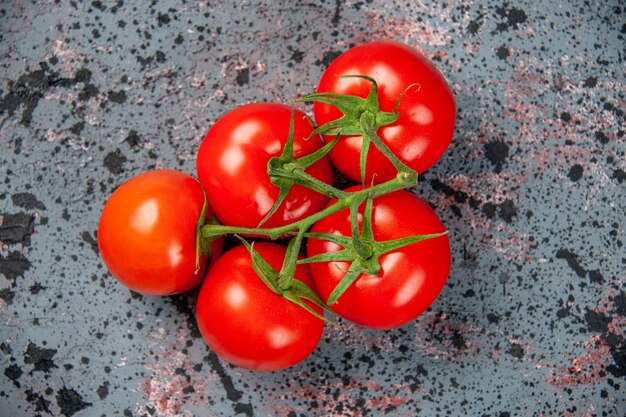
<point x="411" y="277"/>
<point x="147" y="233"/>
<point x="232" y="165"/>
<point x="246" y="323"/>
<point x="427" y="110"/>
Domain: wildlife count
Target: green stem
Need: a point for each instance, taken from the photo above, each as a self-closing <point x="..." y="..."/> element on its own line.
<point x="344" y="200"/>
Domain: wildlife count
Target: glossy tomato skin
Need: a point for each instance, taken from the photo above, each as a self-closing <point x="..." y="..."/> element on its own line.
<point x="427" y="113"/>
<point x="247" y="324"/>
<point x="147" y="233"/>
<point x="232" y="165"/>
<point x="410" y="278"/>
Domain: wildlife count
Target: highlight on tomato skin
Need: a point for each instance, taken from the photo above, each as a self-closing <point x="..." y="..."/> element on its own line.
<point x="427" y="110"/>
<point x="411" y="277"/>
<point x="147" y="233"/>
<point x="247" y="324"/>
<point x="232" y="165"/>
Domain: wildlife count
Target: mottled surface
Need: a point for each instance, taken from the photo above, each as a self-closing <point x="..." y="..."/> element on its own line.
<point x="533" y="319"/>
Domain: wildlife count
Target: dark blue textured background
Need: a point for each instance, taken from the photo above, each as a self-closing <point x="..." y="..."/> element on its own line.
<point x="532" y="321"/>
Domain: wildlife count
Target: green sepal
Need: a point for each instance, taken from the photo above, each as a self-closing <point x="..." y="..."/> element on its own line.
<point x="295" y="291"/>
<point x="203" y="245"/>
<point x="288" y="269"/>
<point x="391" y="245"/>
<point x="264" y="270"/>
<point x="285" y="171"/>
<point x="331" y="237"/>
<point x="353" y="272"/>
<point x="344" y="255"/>
<point x="290" y="296"/>
<point x="351" y="107"/>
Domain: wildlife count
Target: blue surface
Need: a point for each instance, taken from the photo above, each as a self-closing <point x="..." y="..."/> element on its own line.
<point x="532" y="321"/>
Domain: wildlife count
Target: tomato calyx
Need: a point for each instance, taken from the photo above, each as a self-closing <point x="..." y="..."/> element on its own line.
<point x="361" y="249"/>
<point x="203" y="245"/>
<point x="362" y="116"/>
<point x="285" y="171"/>
<point x="283" y="282"/>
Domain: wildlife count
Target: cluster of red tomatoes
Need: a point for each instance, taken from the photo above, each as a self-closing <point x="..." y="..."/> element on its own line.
<point x="373" y="253"/>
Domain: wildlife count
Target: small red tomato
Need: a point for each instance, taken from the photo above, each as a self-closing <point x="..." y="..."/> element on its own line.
<point x="427" y="110"/>
<point x="232" y="165"/>
<point x="147" y="233"/>
<point x="246" y="323"/>
<point x="411" y="277"/>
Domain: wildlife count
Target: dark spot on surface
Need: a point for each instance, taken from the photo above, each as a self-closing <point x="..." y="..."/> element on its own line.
<point x="507" y="210"/>
<point x="114" y="162"/>
<point x="503" y="52"/>
<point x="7" y="295"/>
<point x="98" y="5"/>
<point x="179" y="39"/>
<point x="17" y="228"/>
<point x="493" y="318"/>
<point x="70" y="402"/>
<point x="83" y="75"/>
<point x="27" y="201"/>
<point x="618" y="369"/>
<point x="620" y="304"/>
<point x="103" y="390"/>
<point x="591" y="82"/>
<point x="596" y="322"/>
<point x="232" y="393"/>
<point x="40" y="358"/>
<point x="596" y="277"/>
<point x="92" y="241"/>
<point x="469" y="293"/>
<point x="572" y="261"/>
<point x="28" y="90"/>
<point x="117" y="96"/>
<point x="489" y="210"/>
<point x="13" y="372"/>
<point x="14" y="265"/>
<point x="184" y="306"/>
<point x="575" y="172"/>
<point x="77" y="128"/>
<point x="243" y="76"/>
<point x="497" y="152"/>
<point x="516" y="350"/>
<point x="619" y="175"/>
<point x="163" y="19"/>
<point x="296" y="56"/>
<point x="89" y="91"/>
<point x="133" y="139"/>
<point x="601" y="137"/>
<point x="513" y="17"/>
<point x="38" y="401"/>
<point x="144" y="61"/>
<point x="441" y="187"/>
<point x="160" y="57"/>
<point x="458" y="341"/>
<point x="328" y="58"/>
<point x="473" y="27"/>
<point x="36" y="288"/>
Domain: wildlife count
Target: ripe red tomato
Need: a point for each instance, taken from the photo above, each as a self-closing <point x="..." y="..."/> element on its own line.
<point x="147" y="233"/>
<point x="232" y="165"/>
<point x="411" y="277"/>
<point x="249" y="325"/>
<point x="426" y="124"/>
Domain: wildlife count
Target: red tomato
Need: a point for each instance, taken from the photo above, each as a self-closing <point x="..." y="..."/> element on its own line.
<point x="411" y="277"/>
<point x="249" y="325"/>
<point x="232" y="166"/>
<point x="147" y="233"/>
<point x="426" y="124"/>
